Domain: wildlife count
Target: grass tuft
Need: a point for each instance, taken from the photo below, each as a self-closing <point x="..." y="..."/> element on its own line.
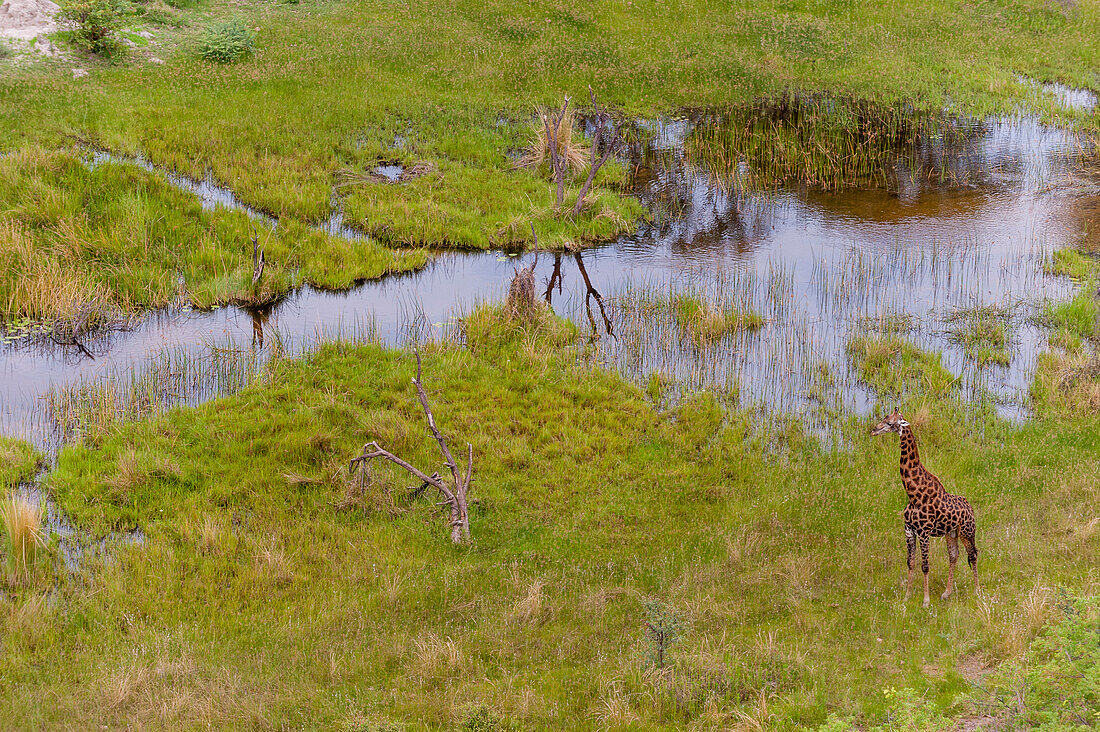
<point x="983" y="333"/>
<point x="22" y="519"/>
<point x="572" y="150"/>
<point x="705" y="323"/>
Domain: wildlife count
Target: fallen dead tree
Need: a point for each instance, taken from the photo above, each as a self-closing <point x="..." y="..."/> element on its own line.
<point x="454" y="491"/>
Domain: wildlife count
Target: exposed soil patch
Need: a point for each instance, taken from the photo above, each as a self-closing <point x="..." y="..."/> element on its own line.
<point x="973" y="668"/>
<point x="27" y="19"/>
<point x="973" y="724"/>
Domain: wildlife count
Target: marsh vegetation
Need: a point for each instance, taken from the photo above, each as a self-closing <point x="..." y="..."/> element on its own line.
<point x="223" y="274"/>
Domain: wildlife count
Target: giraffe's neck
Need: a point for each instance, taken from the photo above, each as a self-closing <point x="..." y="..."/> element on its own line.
<point x="910" y="457"/>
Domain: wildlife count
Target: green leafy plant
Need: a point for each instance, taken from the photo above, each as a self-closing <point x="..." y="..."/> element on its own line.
<point x="481" y="718"/>
<point x="663" y="628"/>
<point x="227" y="42"/>
<point x="1056" y="685"/>
<point x="94" y="24"/>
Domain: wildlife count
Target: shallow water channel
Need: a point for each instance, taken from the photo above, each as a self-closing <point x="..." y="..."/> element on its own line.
<point x="969" y="224"/>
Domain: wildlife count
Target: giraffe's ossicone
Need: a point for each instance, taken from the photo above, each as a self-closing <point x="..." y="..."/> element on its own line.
<point x="932" y="511"/>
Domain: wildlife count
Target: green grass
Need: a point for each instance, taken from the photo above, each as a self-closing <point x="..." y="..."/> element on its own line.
<point x="1073" y="322"/>
<point x="1069" y="263"/>
<point x="896" y="368"/>
<point x="705" y="323"/>
<point x="984" y="332"/>
<point x="256" y="601"/>
<point x="335" y="88"/>
<point x="120" y="237"/>
<point x="18" y="461"/>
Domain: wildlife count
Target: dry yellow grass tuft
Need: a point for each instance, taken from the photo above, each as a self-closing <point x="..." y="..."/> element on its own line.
<point x="432" y="655"/>
<point x="22" y="519"/>
<point x="135" y="470"/>
<point x="28" y="622"/>
<point x="615" y="709"/>
<point x="574" y="152"/>
<point x="272" y="562"/>
<point x="530" y="607"/>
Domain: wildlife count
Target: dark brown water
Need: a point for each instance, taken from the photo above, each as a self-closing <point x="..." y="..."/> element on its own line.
<point x="813" y="263"/>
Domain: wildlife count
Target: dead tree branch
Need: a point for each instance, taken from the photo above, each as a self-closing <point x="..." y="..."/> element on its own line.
<point x="258" y="261"/>
<point x="603" y="119"/>
<point x="454" y="493"/>
<point x="552" y="123"/>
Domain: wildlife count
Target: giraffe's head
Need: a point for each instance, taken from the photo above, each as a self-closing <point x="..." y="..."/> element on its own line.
<point x="893" y="423"/>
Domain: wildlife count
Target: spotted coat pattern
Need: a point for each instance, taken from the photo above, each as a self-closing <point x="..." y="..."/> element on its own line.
<point x="932" y="511"/>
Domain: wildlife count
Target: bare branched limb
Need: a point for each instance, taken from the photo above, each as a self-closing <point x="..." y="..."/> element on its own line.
<point x="603" y="119"/>
<point x="552" y="123"/>
<point x="453" y="494"/>
<point x="449" y="460"/>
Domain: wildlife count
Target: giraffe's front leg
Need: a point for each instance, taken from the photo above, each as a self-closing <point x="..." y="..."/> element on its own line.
<point x="924" y="566"/>
<point x="911" y="548"/>
<point x="952" y="538"/>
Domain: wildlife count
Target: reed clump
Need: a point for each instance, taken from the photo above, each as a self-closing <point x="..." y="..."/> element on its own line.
<point x="705" y="323"/>
<point x="983" y="332"/>
<point x="896" y="367"/>
<point x="824" y="142"/>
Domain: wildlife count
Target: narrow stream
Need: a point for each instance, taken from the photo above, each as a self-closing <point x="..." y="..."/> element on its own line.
<point x="814" y="264"/>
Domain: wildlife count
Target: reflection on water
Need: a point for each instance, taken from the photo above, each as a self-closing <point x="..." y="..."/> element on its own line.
<point x="965" y="219"/>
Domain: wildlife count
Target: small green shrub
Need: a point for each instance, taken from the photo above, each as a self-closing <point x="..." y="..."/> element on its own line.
<point x="94" y="24"/>
<point x="663" y="628"/>
<point x="5" y="50"/>
<point x="227" y="42"/>
<point x="1056" y="685"/>
<point x="480" y="718"/>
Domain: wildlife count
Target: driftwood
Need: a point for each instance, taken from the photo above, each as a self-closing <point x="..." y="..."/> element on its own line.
<point x="453" y="492"/>
<point x="603" y="119"/>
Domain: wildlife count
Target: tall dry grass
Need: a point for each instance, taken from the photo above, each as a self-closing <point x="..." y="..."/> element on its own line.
<point x="23" y="524"/>
<point x="573" y="150"/>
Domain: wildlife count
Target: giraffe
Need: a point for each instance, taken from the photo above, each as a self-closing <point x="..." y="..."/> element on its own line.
<point x="932" y="511"/>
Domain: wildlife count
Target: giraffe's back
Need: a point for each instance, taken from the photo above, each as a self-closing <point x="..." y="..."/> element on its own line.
<point x="940" y="518"/>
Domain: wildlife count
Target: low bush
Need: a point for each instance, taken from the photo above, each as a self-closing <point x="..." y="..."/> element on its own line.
<point x="94" y="24"/>
<point x="227" y="42"/>
<point x="1056" y="685"/>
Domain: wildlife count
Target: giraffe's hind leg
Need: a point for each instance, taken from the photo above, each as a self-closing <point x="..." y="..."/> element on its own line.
<point x="952" y="538"/>
<point x="967" y="538"/>
<point x="924" y="567"/>
<point x="911" y="549"/>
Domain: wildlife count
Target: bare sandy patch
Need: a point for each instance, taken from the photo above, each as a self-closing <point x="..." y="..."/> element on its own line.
<point x="27" y="19"/>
